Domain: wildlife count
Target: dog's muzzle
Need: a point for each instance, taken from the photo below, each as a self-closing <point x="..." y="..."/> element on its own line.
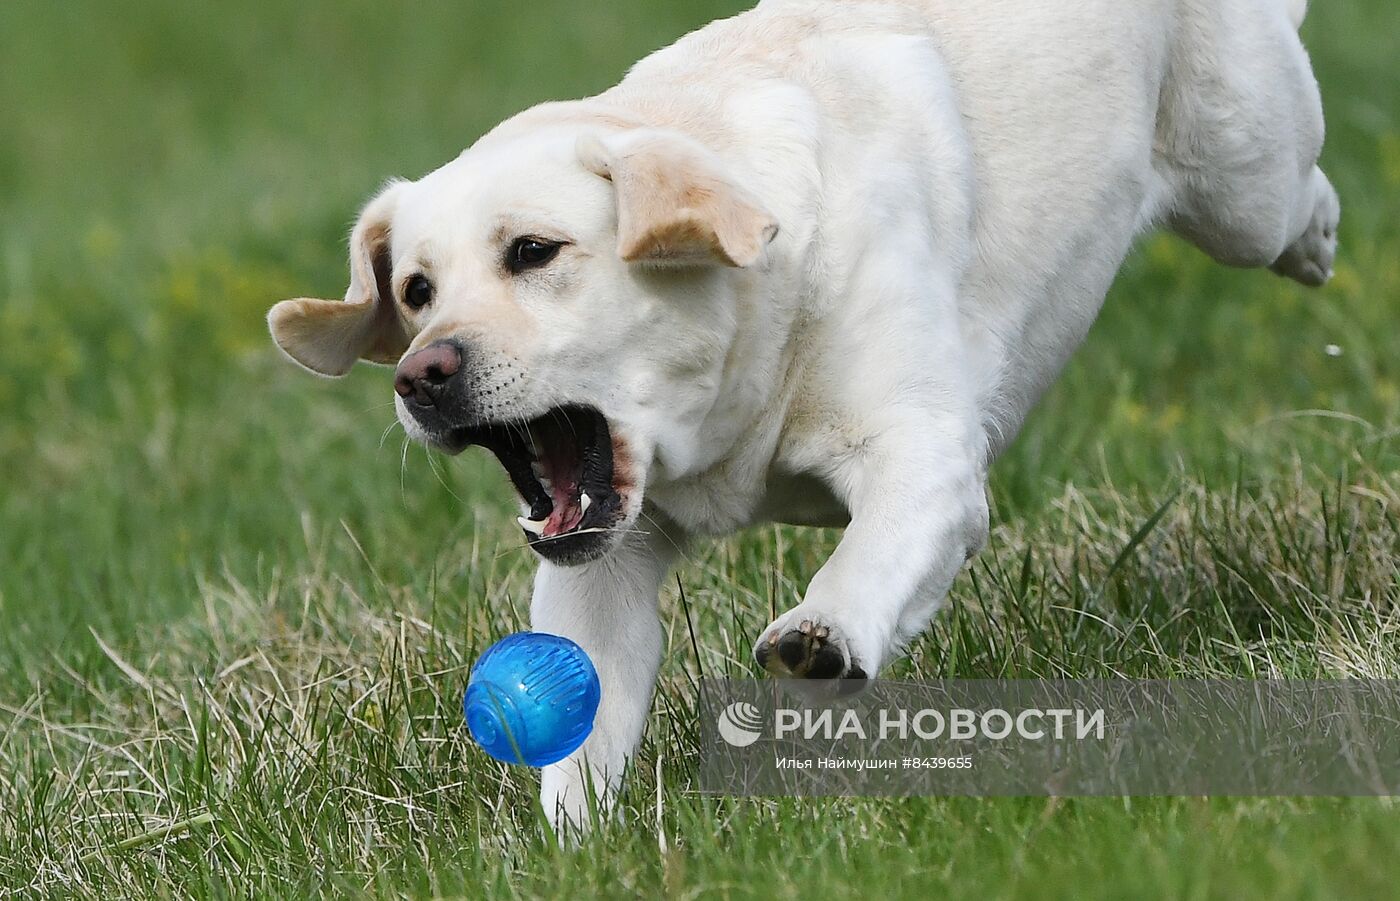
<point x="563" y="463"/>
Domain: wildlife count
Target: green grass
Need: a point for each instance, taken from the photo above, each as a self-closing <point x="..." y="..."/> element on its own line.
<point x="235" y="623"/>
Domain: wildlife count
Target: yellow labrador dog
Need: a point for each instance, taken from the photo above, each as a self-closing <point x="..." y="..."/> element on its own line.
<point x="810" y="264"/>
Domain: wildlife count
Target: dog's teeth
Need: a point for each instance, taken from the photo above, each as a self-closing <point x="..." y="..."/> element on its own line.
<point x="583" y="501"/>
<point x="533" y="526"/>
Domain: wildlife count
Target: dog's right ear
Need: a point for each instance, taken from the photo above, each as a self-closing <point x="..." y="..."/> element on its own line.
<point x="328" y="336"/>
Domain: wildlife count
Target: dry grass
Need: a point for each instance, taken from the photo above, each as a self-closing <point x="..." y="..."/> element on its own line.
<point x="235" y="623"/>
<point x="305" y="732"/>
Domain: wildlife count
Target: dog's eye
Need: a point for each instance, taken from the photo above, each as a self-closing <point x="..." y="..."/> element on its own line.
<point x="418" y="293"/>
<point x="529" y="253"/>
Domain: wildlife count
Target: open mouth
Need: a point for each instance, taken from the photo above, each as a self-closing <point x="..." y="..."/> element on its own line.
<point x="562" y="465"/>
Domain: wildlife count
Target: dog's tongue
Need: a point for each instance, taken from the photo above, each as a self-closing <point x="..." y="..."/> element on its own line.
<point x="565" y="447"/>
<point x="564" y="487"/>
<point x="566" y="514"/>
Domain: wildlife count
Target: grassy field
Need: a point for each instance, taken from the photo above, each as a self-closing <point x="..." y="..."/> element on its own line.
<point x="235" y="619"/>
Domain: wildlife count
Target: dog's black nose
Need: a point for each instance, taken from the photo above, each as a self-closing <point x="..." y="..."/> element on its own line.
<point x="426" y="375"/>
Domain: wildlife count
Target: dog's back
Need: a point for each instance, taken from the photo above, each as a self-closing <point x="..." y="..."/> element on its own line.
<point x="1034" y="122"/>
<point x="1083" y="124"/>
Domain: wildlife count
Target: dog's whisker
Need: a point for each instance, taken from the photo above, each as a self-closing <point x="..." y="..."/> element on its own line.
<point x="680" y="551"/>
<point x="597" y="530"/>
<point x="594" y="531"/>
<point x="559" y="411"/>
<point x="435" y="466"/>
<point x="521" y="426"/>
<point x="387" y="430"/>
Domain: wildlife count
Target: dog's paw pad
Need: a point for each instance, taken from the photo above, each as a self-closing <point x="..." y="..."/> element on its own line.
<point x="807" y="650"/>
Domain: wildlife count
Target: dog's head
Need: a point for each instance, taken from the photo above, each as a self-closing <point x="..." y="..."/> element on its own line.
<point x="564" y="296"/>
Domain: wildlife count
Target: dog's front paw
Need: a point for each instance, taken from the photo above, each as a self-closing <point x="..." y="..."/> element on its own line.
<point x="572" y="805"/>
<point x="807" y="647"/>
<point x="1309" y="259"/>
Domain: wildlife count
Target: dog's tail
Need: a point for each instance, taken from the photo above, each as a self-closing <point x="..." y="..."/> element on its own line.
<point x="1297" y="11"/>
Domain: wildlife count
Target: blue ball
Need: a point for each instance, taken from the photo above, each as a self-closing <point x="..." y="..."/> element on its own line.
<point x="531" y="699"/>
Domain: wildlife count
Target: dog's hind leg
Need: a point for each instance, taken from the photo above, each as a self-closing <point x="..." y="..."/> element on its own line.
<point x="1238" y="136"/>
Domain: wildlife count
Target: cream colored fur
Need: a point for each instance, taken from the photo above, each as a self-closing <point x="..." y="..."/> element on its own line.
<point x="822" y="258"/>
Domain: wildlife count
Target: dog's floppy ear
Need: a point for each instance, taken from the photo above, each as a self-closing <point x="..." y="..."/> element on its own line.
<point x="676" y="204"/>
<point x="328" y="336"/>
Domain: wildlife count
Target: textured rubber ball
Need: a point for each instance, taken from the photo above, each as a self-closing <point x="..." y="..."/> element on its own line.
<point x="531" y="699"/>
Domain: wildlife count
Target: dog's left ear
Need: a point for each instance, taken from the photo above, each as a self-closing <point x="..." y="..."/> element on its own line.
<point x="676" y="204"/>
<point x="328" y="336"/>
